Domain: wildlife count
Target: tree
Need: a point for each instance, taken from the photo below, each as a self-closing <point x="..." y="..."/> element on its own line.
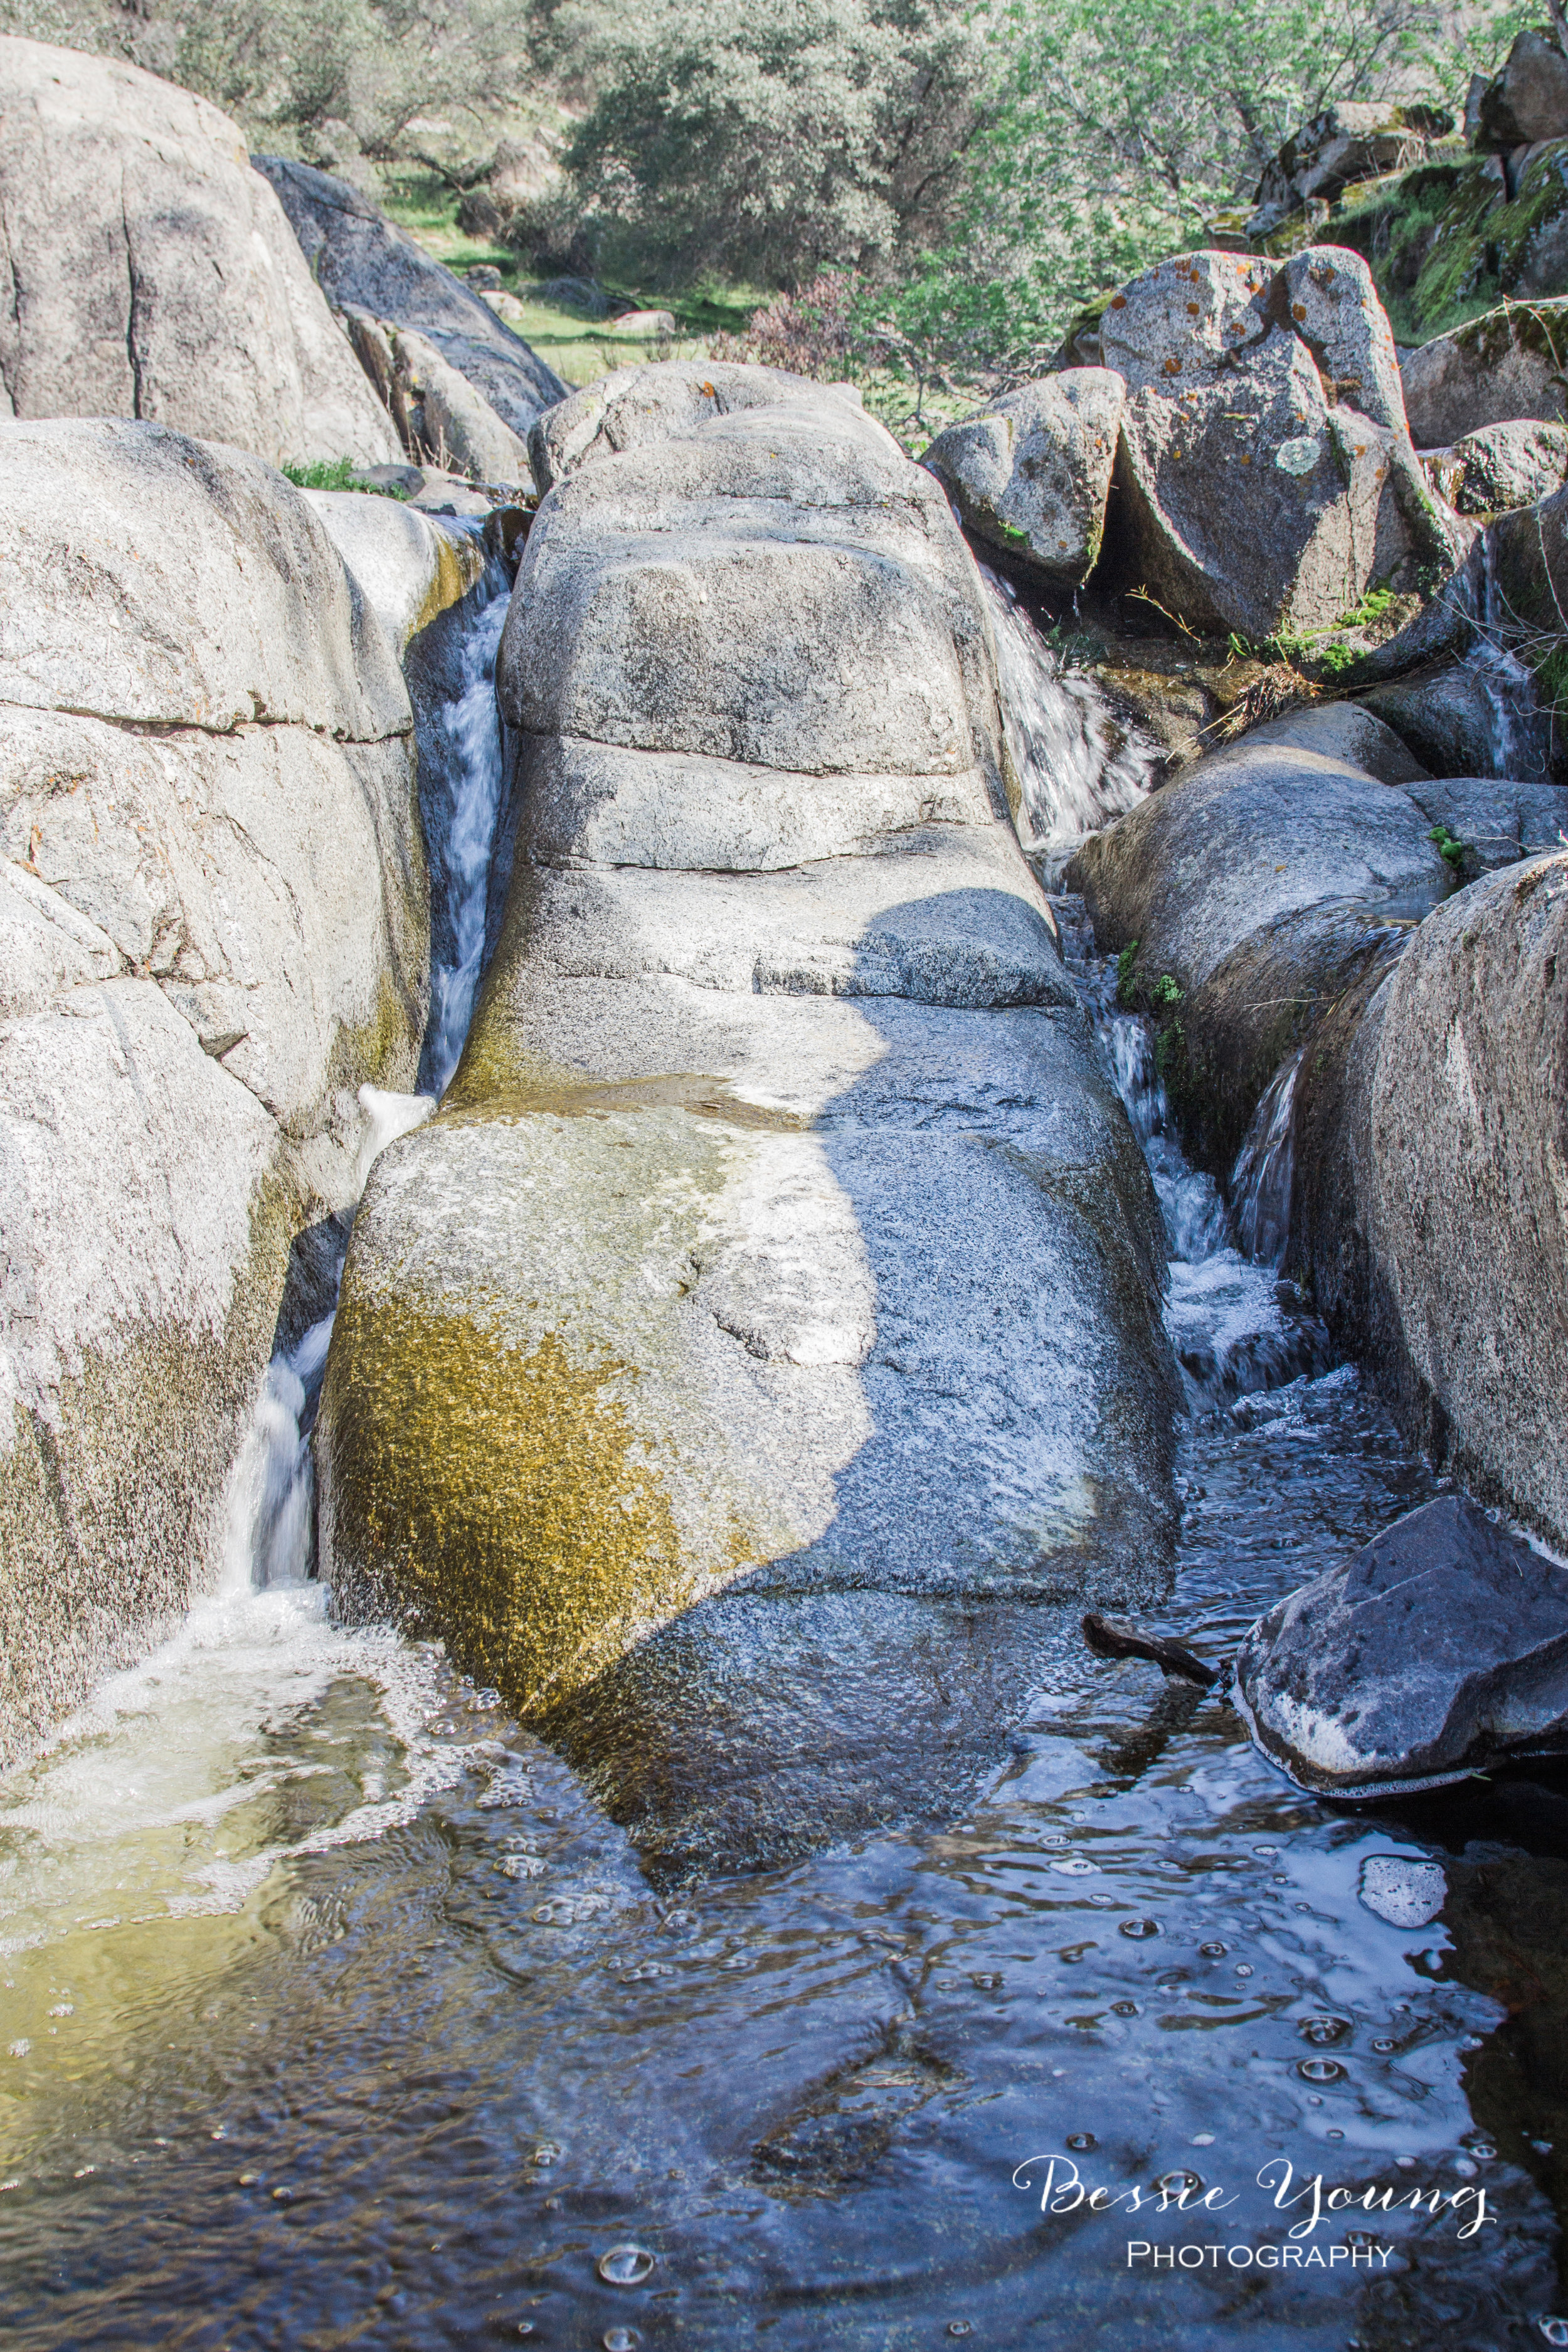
<point x="767" y="139"/>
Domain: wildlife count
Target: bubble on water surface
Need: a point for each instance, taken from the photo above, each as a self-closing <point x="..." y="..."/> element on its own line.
<point x="1319" y="2070"/>
<point x="1080" y="2141"/>
<point x="1324" y="2031"/>
<point x="1138" y="1929"/>
<point x="625" y="2265"/>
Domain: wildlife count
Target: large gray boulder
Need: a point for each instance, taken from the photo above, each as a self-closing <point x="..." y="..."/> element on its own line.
<point x="633" y="407"/>
<point x="1031" y="474"/>
<point x="152" y="274"/>
<point x="213" y="929"/>
<point x="1264" y="478"/>
<point x="768" y="1324"/>
<point x="1505" y="365"/>
<point x="1254" y="890"/>
<point x="1431" y="1133"/>
<point x="362" y="262"/>
<point x="1515" y="464"/>
<point x="1441" y="1648"/>
<point x="1498" y="821"/>
<point x="1528" y="101"/>
<point x="410" y="567"/>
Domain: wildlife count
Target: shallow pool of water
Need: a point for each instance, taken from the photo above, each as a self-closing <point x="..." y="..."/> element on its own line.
<point x="334" y="2013"/>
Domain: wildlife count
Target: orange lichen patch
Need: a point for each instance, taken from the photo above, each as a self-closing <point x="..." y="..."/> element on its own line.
<point x="1193" y="310"/>
<point x="1297" y="310"/>
<point x="1119" y="302"/>
<point x="1172" y="366"/>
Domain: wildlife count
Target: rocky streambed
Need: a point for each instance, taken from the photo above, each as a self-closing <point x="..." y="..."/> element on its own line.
<point x="647" y="1141"/>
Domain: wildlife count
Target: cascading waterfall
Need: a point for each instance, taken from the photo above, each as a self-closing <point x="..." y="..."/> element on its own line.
<point x="1265" y="1166"/>
<point x="470" y="762"/>
<point x="1079" y="765"/>
<point x="1521" y="730"/>
<point x="269" y="1537"/>
<point x="1234" y="1326"/>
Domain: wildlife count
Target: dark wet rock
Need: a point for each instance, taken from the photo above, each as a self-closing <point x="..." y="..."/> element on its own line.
<point x="1031" y="473"/>
<point x="1430" y="1212"/>
<point x="1497" y="823"/>
<point x="1257" y="887"/>
<point x="1514" y="464"/>
<point x="1265" y="476"/>
<point x="1441" y="1648"/>
<point x="362" y="262"/>
<point x="1480" y="716"/>
<point x="1505" y="365"/>
<point x="1526" y="102"/>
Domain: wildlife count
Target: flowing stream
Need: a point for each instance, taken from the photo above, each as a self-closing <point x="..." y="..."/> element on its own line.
<point x="333" y="2013"/>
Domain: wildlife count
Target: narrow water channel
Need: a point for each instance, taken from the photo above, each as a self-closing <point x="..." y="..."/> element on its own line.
<point x="334" y="2013"/>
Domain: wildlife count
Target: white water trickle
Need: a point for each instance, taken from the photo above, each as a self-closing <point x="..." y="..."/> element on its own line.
<point x="1079" y="765"/>
<point x="271" y="1530"/>
<point x="1230" y="1323"/>
<point x="1265" y="1166"/>
<point x="470" y="724"/>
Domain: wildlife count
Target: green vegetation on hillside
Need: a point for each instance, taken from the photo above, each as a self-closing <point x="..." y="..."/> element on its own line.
<point x="916" y="193"/>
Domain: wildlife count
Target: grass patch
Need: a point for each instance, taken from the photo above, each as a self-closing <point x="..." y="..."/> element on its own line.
<point x="579" y="349"/>
<point x="337" y="473"/>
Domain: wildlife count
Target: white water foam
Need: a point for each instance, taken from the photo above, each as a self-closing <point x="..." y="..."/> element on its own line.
<point x="471" y="768"/>
<point x="1079" y="765"/>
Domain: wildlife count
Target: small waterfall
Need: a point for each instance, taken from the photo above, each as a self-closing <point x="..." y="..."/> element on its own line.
<point x="1234" y="1328"/>
<point x="1260" y="1179"/>
<point x="269" y="1534"/>
<point x="1079" y="766"/>
<point x="1520" y="729"/>
<point x="469" y="757"/>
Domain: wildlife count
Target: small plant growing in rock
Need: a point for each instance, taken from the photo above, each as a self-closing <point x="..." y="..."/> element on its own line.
<point x="336" y="474"/>
<point x="1449" y="845"/>
<point x="1167" y="993"/>
<point x="1124" y="963"/>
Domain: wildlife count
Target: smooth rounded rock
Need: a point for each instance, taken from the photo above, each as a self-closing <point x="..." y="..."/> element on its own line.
<point x="153" y="275"/>
<point x="1442" y="1647"/>
<point x="767" y="1327"/>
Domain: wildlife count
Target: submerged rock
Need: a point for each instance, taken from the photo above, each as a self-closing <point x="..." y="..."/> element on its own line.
<point x="362" y="262"/>
<point x="151" y="273"/>
<point x="769" y="1323"/>
<point x="212" y="928"/>
<point x="1031" y="473"/>
<point x="1441" y="1648"/>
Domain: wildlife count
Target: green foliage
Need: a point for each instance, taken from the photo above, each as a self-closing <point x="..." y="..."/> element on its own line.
<point x="336" y="474"/>
<point x="1124" y="981"/>
<point x="1373" y="604"/>
<point x="1449" y="845"/>
<point x="771" y="138"/>
<point x="1166" y="993"/>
